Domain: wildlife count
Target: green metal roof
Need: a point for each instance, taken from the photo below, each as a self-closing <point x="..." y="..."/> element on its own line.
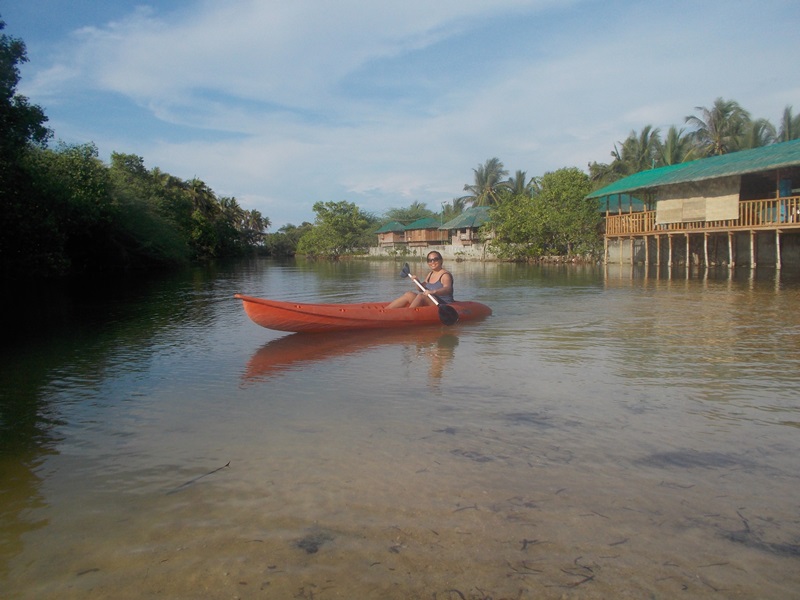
<point x="774" y="156"/>
<point x="425" y="223"/>
<point x="472" y="217"/>
<point x="391" y="226"/>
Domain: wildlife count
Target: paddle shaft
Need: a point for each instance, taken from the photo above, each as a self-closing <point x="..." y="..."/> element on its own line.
<point x="424" y="289"/>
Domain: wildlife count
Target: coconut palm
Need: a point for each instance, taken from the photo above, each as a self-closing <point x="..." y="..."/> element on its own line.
<point x="520" y="185"/>
<point x="757" y="134"/>
<point x="203" y="198"/>
<point x="790" y="126"/>
<point x="452" y="209"/>
<point x="489" y="180"/>
<point x="254" y="227"/>
<point x="719" y="129"/>
<point x="638" y="152"/>
<point x="676" y="147"/>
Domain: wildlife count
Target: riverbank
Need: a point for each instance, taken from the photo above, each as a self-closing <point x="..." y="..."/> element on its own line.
<point x="449" y="252"/>
<point x="476" y="252"/>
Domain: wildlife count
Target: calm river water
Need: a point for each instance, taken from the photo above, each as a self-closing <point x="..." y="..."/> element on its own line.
<point x="605" y="434"/>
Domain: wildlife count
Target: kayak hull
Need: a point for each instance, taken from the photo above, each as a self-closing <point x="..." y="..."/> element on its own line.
<point x="300" y="316"/>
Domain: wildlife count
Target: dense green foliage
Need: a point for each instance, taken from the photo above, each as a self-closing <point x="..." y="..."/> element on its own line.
<point x="414" y="212"/>
<point x="21" y="126"/>
<point x="284" y="242"/>
<point x="339" y="228"/>
<point x="556" y="220"/>
<point x="62" y="210"/>
<point x="96" y="217"/>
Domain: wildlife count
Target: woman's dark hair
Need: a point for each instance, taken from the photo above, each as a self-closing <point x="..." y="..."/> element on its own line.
<point x="434" y="254"/>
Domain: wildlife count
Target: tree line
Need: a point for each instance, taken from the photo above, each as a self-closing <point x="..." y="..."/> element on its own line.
<point x="545" y="215"/>
<point x="550" y="215"/>
<point x="63" y="210"/>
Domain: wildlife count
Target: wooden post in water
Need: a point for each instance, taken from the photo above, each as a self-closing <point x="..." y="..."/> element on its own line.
<point x="669" y="256"/>
<point x="777" y="248"/>
<point x="687" y="250"/>
<point x="658" y="250"/>
<point x="646" y="251"/>
<point x="705" y="250"/>
<point x="731" y="259"/>
<point x="752" y="249"/>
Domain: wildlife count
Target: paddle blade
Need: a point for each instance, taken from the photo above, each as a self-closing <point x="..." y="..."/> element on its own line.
<point x="448" y="315"/>
<point x="405" y="272"/>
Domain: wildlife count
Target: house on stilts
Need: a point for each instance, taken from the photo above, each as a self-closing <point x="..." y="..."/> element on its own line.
<point x="741" y="208"/>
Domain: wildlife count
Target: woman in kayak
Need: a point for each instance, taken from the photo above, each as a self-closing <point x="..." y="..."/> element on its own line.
<point x="439" y="282"/>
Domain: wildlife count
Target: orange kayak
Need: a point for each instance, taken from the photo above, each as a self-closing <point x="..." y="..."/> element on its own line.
<point x="298" y="316"/>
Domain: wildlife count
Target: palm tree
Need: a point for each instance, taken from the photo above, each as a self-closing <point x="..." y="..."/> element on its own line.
<point x="757" y="134"/>
<point x="790" y="126"/>
<point x="203" y="198"/>
<point x="231" y="211"/>
<point x="638" y="152"/>
<point x="450" y="210"/>
<point x="676" y="147"/>
<point x="601" y="174"/>
<point x="488" y="183"/>
<point x="417" y="210"/>
<point x="719" y="129"/>
<point x="165" y="181"/>
<point x="254" y="227"/>
<point x="519" y="185"/>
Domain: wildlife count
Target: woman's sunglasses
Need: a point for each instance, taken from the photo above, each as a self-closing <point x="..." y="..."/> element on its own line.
<point x="430" y="260"/>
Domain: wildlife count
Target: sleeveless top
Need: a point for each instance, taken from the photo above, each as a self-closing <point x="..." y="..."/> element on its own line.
<point x="437" y="285"/>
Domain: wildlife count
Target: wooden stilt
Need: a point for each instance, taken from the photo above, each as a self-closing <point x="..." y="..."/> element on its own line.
<point x="705" y="250"/>
<point x="752" y="249"/>
<point x="731" y="258"/>
<point x="669" y="256"/>
<point x="687" y="251"/>
<point x="658" y="250"/>
<point x="777" y="248"/>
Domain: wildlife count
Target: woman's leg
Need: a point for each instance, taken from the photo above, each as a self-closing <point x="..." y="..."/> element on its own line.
<point x="403" y="300"/>
<point x="420" y="300"/>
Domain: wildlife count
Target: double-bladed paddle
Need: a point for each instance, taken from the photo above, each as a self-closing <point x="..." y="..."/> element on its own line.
<point x="447" y="314"/>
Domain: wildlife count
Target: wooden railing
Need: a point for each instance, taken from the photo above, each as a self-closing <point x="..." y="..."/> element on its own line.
<point x="753" y="214"/>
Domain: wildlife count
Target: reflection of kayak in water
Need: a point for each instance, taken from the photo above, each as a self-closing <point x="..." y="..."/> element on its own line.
<point x="298" y="350"/>
<point x="296" y="316"/>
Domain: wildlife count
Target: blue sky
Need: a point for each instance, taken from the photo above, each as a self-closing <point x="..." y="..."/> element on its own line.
<point x="283" y="104"/>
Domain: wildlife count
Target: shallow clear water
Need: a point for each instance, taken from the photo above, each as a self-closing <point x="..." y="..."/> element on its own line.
<point x="605" y="433"/>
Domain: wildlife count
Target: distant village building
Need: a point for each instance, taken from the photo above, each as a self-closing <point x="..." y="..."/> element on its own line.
<point x="425" y="232"/>
<point x="738" y="208"/>
<point x="391" y="234"/>
<point x="462" y="238"/>
<point x="464" y="230"/>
